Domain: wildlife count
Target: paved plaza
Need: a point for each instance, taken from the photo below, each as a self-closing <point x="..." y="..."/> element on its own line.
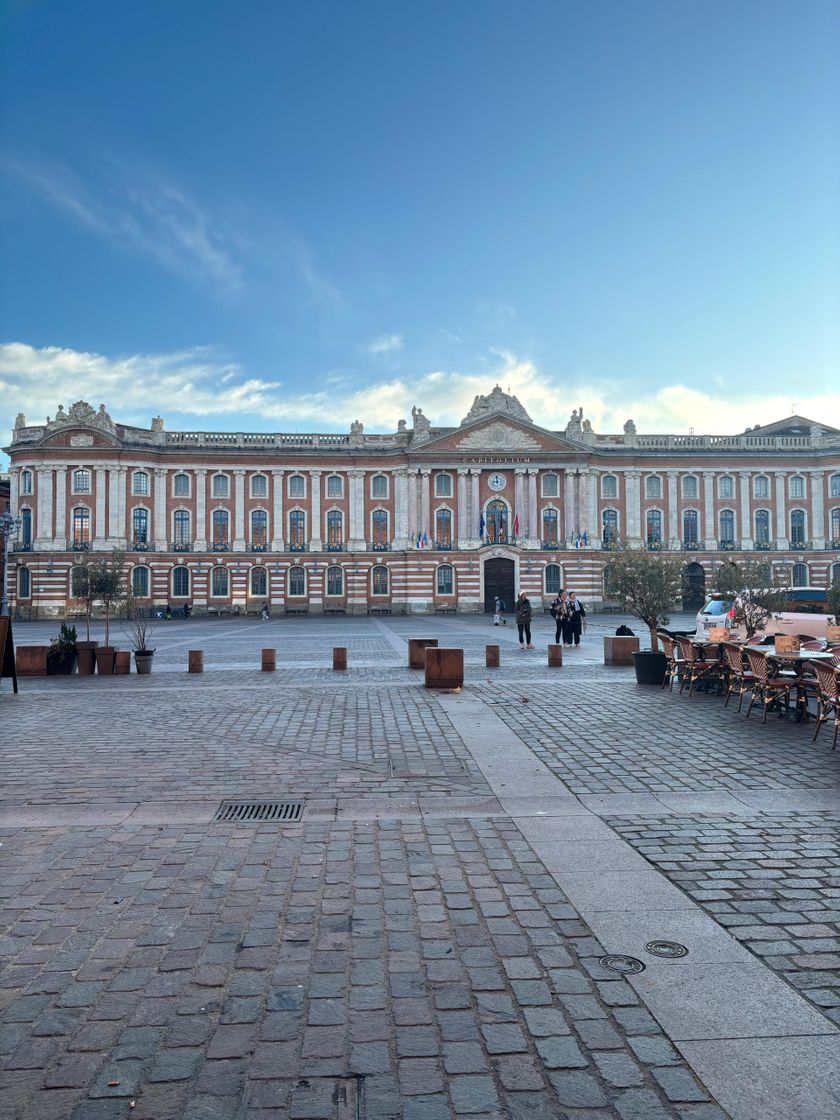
<point x="426" y="942"/>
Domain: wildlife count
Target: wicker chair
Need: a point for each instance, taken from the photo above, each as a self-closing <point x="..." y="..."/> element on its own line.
<point x="828" y="697"/>
<point x="696" y="667"/>
<point x="738" y="678"/>
<point x="672" y="660"/>
<point x="768" y="686"/>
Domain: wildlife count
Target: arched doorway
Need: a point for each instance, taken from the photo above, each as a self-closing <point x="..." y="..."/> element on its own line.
<point x="499" y="576"/>
<point x="693" y="587"/>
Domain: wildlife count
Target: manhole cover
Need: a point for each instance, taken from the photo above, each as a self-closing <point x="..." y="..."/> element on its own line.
<point x="617" y="962"/>
<point x="670" y="949"/>
<point x="252" y="811"/>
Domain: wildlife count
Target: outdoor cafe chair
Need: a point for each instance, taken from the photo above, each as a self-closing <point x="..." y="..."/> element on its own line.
<point x="672" y="660"/>
<point x="768" y="686"/>
<point x="828" y="697"/>
<point x="697" y="666"/>
<point x="738" y="677"/>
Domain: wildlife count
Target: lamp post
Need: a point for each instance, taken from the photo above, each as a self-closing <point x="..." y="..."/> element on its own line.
<point x="9" y="526"/>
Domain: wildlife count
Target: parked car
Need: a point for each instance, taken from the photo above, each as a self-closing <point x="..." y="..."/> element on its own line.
<point x="805" y="611"/>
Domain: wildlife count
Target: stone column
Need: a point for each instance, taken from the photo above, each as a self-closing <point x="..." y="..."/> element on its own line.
<point x="61" y="534"/>
<point x="356" y="497"/>
<point x="100" y="530"/>
<point x="633" y="505"/>
<point x="425" y="502"/>
<point x="475" y="505"/>
<point x="781" y="518"/>
<point x="709" y="533"/>
<point x="592" y="503"/>
<point x="161" y="529"/>
<point x="583" y="502"/>
<point x="567" y="531"/>
<point x="200" y="527"/>
<point x="113" y="505"/>
<point x="44" y="508"/>
<point x="14" y="491"/>
<point x="239" y="510"/>
<point x="122" y="527"/>
<point x="673" y="516"/>
<point x="533" y="511"/>
<point x="520" y="512"/>
<point x="746" y="519"/>
<point x="818" y="531"/>
<point x="315" y="541"/>
<point x="463" y="513"/>
<point x="399" y="537"/>
<point x="412" y="508"/>
<point x="277" y="544"/>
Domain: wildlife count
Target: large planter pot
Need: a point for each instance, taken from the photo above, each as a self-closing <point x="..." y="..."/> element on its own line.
<point x="86" y="657"/>
<point x="650" y="667"/>
<point x="143" y="660"/>
<point x="106" y="657"/>
<point x="31" y="661"/>
<point x="61" y="666"/>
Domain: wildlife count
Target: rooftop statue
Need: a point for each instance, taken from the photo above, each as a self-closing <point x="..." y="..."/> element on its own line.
<point x="497" y="401"/>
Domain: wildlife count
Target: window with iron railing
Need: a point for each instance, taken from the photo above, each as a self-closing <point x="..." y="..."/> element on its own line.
<point x="221" y="528"/>
<point x="379" y="530"/>
<point x="181" y="528"/>
<point x="81" y="526"/>
<point x="335" y="580"/>
<point x="297" y="581"/>
<point x="258" y="582"/>
<point x="259" y="530"/>
<point x="726" y="523"/>
<point x="609" y="528"/>
<point x="297" y="530"/>
<point x="762" y="526"/>
<point x="797" y="527"/>
<point x="443" y="528"/>
<point x="335" y="531"/>
<point x="445" y="580"/>
<point x="140" y="527"/>
<point x="550" y="528"/>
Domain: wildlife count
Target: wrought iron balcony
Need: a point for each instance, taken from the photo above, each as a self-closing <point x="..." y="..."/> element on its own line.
<point x="22" y="546"/>
<point x="726" y="546"/>
<point x="182" y="546"/>
<point x="692" y="546"/>
<point x="78" y="546"/>
<point x="254" y="547"/>
<point x="833" y="544"/>
<point x="800" y="544"/>
<point x="335" y="548"/>
<point x="551" y="544"/>
<point x="764" y="546"/>
<point x="379" y="547"/>
<point x="442" y="546"/>
<point x="656" y="546"/>
<point x="219" y="546"/>
<point x="141" y="546"/>
<point x="297" y="547"/>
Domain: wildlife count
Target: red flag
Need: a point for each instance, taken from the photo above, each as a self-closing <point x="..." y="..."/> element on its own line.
<point x="516" y="525"/>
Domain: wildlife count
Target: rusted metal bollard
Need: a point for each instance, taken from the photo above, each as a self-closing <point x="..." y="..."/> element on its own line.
<point x="491" y="657"/>
<point x="122" y="661"/>
<point x="269" y="660"/>
<point x="417" y="651"/>
<point x="555" y="657"/>
<point x="444" y="668"/>
<point x="339" y="657"/>
<point x="195" y="661"/>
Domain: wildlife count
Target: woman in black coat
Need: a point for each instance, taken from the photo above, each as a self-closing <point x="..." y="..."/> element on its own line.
<point x="523" y="620"/>
<point x="577" y="613"/>
<point x="560" y="614"/>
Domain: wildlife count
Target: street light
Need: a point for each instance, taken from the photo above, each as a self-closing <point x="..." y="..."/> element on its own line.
<point x="9" y="526"/>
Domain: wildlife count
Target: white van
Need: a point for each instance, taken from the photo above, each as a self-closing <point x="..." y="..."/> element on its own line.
<point x="805" y="613"/>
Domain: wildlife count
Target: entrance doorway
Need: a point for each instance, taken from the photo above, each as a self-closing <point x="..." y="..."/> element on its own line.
<point x="693" y="587"/>
<point x="498" y="580"/>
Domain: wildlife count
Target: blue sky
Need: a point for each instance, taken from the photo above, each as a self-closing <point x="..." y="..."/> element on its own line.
<point x="276" y="216"/>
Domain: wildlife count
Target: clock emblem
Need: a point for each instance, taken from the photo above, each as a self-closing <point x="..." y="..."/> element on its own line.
<point x="497" y="481"/>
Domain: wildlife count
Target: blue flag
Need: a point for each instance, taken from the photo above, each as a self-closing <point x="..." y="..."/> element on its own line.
<point x="425" y="542"/>
<point x="481" y="524"/>
<point x="419" y="539"/>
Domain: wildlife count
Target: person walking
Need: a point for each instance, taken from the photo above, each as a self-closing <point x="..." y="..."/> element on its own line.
<point x="498" y="607"/>
<point x="523" y="620"/>
<point x="577" y="613"/>
<point x="560" y="613"/>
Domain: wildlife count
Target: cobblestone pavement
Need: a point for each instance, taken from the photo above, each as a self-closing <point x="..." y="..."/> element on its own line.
<point x="773" y="882"/>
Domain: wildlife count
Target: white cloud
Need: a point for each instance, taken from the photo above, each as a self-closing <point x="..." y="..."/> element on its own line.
<point x="386" y="344"/>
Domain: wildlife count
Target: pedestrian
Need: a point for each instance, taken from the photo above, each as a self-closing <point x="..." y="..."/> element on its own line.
<point x="498" y="607"/>
<point x="168" y="612"/>
<point x="560" y="614"/>
<point x="265" y="614"/>
<point x="577" y="613"/>
<point x="523" y="620"/>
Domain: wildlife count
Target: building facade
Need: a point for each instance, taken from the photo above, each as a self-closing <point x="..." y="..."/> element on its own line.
<point x="418" y="520"/>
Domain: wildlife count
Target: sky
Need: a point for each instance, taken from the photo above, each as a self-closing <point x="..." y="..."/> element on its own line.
<point x="286" y="217"/>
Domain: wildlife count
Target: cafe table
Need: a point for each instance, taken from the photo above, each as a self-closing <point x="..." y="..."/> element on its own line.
<point x="797" y="662"/>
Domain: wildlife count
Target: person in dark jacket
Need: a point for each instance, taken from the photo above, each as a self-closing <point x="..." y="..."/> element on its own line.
<point x="523" y="620"/>
<point x="577" y="613"/>
<point x="560" y="614"/>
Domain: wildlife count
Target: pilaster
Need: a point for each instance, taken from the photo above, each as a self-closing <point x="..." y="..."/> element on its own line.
<point x="160" y="527"/>
<point x="100" y="529"/>
<point x="709" y="531"/>
<point x="673" y="514"/>
<point x="781" y="516"/>
<point x="277" y="544"/>
<point x="744" y="481"/>
<point x="239" y="510"/>
<point x="200" y="528"/>
<point x="818" y="531"/>
<point x="315" y="541"/>
<point x="463" y="514"/>
<point x="533" y="540"/>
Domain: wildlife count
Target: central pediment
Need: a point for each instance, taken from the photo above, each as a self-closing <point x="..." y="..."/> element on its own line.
<point x="498" y="436"/>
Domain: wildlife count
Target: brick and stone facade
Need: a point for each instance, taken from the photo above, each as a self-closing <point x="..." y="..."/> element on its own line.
<point x="422" y="519"/>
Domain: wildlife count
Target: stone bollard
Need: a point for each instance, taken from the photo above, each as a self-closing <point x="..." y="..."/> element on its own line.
<point x="417" y="651"/>
<point x="555" y="657"/>
<point x="122" y="661"/>
<point x="269" y="660"/>
<point x="491" y="657"/>
<point x="339" y="657"/>
<point x="619" y="649"/>
<point x="444" y="668"/>
<point x="195" y="661"/>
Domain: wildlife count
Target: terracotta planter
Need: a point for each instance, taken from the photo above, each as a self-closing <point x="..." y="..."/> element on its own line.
<point x="31" y="661"/>
<point x="106" y="657"/>
<point x="86" y="657"/>
<point x="61" y="666"/>
<point x="143" y="660"/>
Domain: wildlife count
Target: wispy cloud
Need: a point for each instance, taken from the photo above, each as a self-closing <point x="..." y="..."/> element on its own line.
<point x="386" y="344"/>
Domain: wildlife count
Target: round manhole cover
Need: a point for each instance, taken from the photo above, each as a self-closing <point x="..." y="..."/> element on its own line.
<point x="670" y="949"/>
<point x="618" y="962"/>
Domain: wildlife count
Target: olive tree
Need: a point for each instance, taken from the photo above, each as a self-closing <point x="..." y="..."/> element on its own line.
<point x="107" y="579"/>
<point x="757" y="594"/>
<point x="647" y="585"/>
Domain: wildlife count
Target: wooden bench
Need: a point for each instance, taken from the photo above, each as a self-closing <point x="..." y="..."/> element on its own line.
<point x="297" y="610"/>
<point x="379" y="610"/>
<point x="334" y="610"/>
<point x="446" y="610"/>
<point x="223" y="610"/>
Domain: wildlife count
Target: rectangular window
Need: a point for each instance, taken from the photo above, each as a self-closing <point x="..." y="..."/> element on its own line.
<point x="220" y="486"/>
<point x="653" y="487"/>
<point x="726" y="486"/>
<point x="797" y="487"/>
<point x="297" y="486"/>
<point x="335" y="487"/>
<point x="690" y="487"/>
<point x="443" y="486"/>
<point x="140" y="483"/>
<point x="181" y="485"/>
<point x="761" y="486"/>
<point x="609" y="486"/>
<point x="81" y="482"/>
<point x="550" y="486"/>
<point x="379" y="486"/>
<point x="259" y="486"/>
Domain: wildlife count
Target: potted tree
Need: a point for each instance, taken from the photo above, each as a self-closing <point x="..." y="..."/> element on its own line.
<point x="61" y="656"/>
<point x="83" y="590"/>
<point x="107" y="576"/>
<point x="646" y="584"/>
<point x="834" y="600"/>
<point x="139" y="631"/>
<point x="756" y="594"/>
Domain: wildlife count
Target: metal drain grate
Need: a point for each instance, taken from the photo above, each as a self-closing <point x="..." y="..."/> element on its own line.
<point x="670" y="949"/>
<point x="252" y="811"/>
<point x="619" y="962"/>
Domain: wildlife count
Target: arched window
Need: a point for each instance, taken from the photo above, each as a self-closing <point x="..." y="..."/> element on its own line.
<point x="379" y="530"/>
<point x="297" y="486"/>
<point x="140" y="483"/>
<point x="26" y="527"/>
<point x="834" y="486"/>
<point x="379" y="580"/>
<point x="443" y="486"/>
<point x="181" y="528"/>
<point x="81" y="527"/>
<point x="550" y="486"/>
<point x="140" y="527"/>
<point x="443" y="528"/>
<point x="609" y="527"/>
<point x="297" y="581"/>
<point x="726" y="521"/>
<point x="797" y="486"/>
<point x="762" y="527"/>
<point x="140" y="583"/>
<point x="550" y="528"/>
<point x="78" y="582"/>
<point x="834" y="526"/>
<point x="335" y="486"/>
<point x="220" y="582"/>
<point x="379" y="486"/>
<point x="761" y="486"/>
<point x="221" y="523"/>
<point x="689" y="487"/>
<point x="552" y="579"/>
<point x="653" y="526"/>
<point x="259" y="530"/>
<point x="799" y="576"/>
<point x="24" y="583"/>
<point x="609" y="486"/>
<point x="335" y="530"/>
<point x="259" y="582"/>
<point x="221" y="486"/>
<point x="445" y="580"/>
<point x="26" y="482"/>
<point x="297" y="530"/>
<point x="690" y="527"/>
<point x="726" y="486"/>
<point x="81" y="482"/>
<point x="653" y="486"/>
<point x="496" y="526"/>
<point x="335" y="580"/>
<point x="259" y="486"/>
<point x="180" y="582"/>
<point x="181" y="486"/>
<point x="797" y="527"/>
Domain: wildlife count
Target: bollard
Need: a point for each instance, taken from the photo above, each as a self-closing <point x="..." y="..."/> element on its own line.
<point x="269" y="660"/>
<point x="555" y="657"/>
<point x="619" y="650"/>
<point x="122" y="661"/>
<point x="444" y="668"/>
<point x="417" y="651"/>
<point x="339" y="657"/>
<point x="491" y="657"/>
<point x="195" y="661"/>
